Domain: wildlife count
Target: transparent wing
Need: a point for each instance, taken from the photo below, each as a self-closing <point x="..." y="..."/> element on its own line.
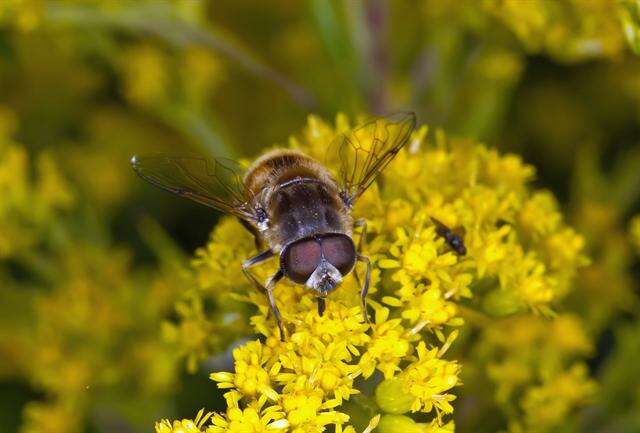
<point x="365" y="151"/>
<point x="217" y="183"/>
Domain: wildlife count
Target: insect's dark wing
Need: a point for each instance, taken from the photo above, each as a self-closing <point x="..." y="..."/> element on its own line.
<point x="217" y="183"/>
<point x="365" y="151"/>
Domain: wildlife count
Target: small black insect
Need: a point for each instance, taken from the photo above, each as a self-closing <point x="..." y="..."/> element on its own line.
<point x="453" y="240"/>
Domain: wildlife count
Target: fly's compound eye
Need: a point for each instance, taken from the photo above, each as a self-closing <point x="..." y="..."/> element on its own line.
<point x="340" y="252"/>
<point x="301" y="259"/>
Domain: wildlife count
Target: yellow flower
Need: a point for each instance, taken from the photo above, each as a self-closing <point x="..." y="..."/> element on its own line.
<point x="306" y="412"/>
<point x="429" y="378"/>
<point x="25" y="15"/>
<point x="532" y="353"/>
<point x="389" y="345"/>
<point x="548" y="404"/>
<point x="539" y="215"/>
<point x="51" y="417"/>
<point x="568" y="30"/>
<point x="635" y="232"/>
<point x="29" y="205"/>
<point x="185" y="425"/>
<point x="251" y="377"/>
<point x="146" y="81"/>
<point x="217" y="265"/>
<point x="253" y="418"/>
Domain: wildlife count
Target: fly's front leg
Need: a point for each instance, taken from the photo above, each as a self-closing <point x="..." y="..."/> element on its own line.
<point x="255" y="260"/>
<point x="272" y="300"/>
<point x="265" y="255"/>
<point x="361" y="222"/>
<point x="365" y="286"/>
<point x="254" y="231"/>
<point x="321" y="306"/>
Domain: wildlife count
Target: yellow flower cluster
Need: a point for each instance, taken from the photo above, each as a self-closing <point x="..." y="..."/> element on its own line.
<point x="207" y="327"/>
<point x="568" y="30"/>
<point x="536" y="368"/>
<point x="28" y="205"/>
<point x="521" y="259"/>
<point x="148" y="83"/>
<point x="80" y="324"/>
<point x="93" y="333"/>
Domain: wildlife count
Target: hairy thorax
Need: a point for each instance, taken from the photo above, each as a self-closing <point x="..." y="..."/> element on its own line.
<point x="299" y="196"/>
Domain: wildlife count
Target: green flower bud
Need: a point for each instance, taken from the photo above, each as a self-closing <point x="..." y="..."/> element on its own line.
<point x="501" y="303"/>
<point x="398" y="424"/>
<point x="392" y="398"/>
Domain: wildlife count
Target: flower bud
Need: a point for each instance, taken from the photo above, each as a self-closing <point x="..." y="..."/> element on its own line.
<point x="501" y="303"/>
<point x="398" y="424"/>
<point x="392" y="398"/>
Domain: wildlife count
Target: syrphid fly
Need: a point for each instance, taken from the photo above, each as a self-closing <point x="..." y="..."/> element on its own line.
<point x="292" y="203"/>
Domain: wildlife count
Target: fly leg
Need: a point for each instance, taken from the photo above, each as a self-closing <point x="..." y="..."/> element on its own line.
<point x="272" y="301"/>
<point x="361" y="222"/>
<point x="321" y="306"/>
<point x="270" y="284"/>
<point x="254" y="231"/>
<point x="365" y="286"/>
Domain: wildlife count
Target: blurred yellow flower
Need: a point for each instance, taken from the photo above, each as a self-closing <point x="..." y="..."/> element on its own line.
<point x="29" y="204"/>
<point x="635" y="232"/>
<point x="25" y="15"/>
<point x="546" y="405"/>
<point x="569" y="30"/>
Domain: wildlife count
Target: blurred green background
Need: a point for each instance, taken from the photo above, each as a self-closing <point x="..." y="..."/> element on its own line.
<point x="92" y="259"/>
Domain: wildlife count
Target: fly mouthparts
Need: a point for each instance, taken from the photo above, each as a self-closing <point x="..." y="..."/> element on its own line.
<point x="327" y="285"/>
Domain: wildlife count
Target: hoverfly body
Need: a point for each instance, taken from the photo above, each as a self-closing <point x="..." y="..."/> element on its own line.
<point x="453" y="239"/>
<point x="292" y="203"/>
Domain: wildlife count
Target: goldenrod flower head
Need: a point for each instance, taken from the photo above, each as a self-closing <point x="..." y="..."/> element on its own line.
<point x="567" y="30"/>
<point x="255" y="417"/>
<point x="549" y="403"/>
<point x="519" y="250"/>
<point x="250" y="378"/>
<point x="28" y="204"/>
<point x="429" y="378"/>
